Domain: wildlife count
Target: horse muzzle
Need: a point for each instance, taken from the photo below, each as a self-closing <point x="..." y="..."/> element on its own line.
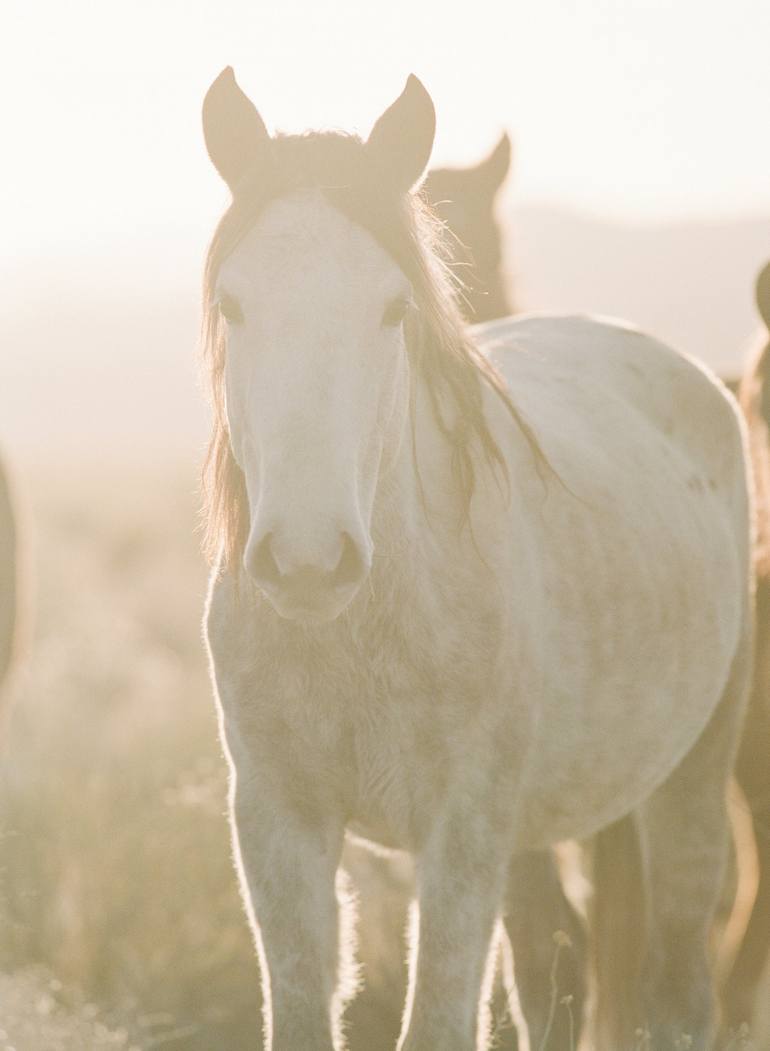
<point x="309" y="590"/>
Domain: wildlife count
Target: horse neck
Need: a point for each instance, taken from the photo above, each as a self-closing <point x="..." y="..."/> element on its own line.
<point x="419" y="512"/>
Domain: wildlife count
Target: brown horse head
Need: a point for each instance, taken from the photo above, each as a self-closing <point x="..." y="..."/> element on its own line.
<point x="465" y="199"/>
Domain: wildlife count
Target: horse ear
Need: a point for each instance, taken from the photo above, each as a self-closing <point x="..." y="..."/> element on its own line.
<point x="236" y="137"/>
<point x="402" y="139"/>
<point x="763" y="294"/>
<point x="494" y="168"/>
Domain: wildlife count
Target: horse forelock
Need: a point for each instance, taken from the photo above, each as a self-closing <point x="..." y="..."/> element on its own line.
<point x="442" y="352"/>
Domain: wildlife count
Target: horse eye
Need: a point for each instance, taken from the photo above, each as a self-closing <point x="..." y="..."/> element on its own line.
<point x="395" y="312"/>
<point x="230" y="309"/>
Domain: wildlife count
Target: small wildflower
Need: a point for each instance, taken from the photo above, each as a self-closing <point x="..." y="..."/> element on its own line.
<point x="742" y="1035"/>
<point x="45" y="1004"/>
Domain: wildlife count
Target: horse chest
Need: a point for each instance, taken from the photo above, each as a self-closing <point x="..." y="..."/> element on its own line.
<point x="387" y="727"/>
<point x="401" y="757"/>
<point x="370" y="717"/>
<point x="381" y="731"/>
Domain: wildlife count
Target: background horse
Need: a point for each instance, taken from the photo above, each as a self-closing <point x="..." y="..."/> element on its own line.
<point x="465" y="199"/>
<point x="753" y="769"/>
<point x="619" y="617"/>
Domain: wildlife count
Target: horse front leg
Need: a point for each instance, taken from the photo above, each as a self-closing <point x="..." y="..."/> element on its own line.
<point x="460" y="884"/>
<point x="288" y="862"/>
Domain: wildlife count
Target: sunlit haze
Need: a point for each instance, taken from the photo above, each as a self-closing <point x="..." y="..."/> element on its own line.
<point x="478" y="537"/>
<point x="637" y="111"/>
<point x="641" y="108"/>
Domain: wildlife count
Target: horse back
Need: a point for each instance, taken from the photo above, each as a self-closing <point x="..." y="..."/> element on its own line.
<point x="640" y="538"/>
<point x="599" y="377"/>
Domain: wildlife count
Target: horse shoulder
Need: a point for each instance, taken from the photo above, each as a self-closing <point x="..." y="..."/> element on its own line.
<point x="573" y="366"/>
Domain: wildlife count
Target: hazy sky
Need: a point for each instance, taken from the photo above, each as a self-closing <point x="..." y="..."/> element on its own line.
<point x="635" y="108"/>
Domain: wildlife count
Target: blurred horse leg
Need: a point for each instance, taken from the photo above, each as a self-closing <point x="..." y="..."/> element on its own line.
<point x="753" y="774"/>
<point x="548" y="970"/>
<point x="685" y="842"/>
<point x="385" y="889"/>
<point x="659" y="878"/>
<point x="548" y="945"/>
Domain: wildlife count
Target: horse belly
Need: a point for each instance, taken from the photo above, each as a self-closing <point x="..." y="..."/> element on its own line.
<point x="637" y="657"/>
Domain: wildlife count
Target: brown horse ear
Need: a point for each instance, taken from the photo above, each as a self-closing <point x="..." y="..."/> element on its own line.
<point x="763" y="294"/>
<point x="402" y="139"/>
<point x="236" y="137"/>
<point x="493" y="169"/>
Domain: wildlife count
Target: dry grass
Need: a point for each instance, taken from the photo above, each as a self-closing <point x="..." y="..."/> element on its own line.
<point x="115" y="867"/>
<point x="35" y="1018"/>
<point x="116" y="870"/>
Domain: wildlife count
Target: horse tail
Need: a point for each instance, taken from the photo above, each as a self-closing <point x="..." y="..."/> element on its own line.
<point x="9" y="598"/>
<point x="618" y="930"/>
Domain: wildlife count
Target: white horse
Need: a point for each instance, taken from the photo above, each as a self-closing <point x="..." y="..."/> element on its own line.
<point x="463" y="609"/>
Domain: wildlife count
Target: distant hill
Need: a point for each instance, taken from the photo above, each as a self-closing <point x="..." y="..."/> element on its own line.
<point x="689" y="283"/>
<point x="100" y="372"/>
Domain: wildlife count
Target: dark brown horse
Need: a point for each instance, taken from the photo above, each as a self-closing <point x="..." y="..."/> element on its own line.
<point x="465" y="199"/>
<point x="753" y="769"/>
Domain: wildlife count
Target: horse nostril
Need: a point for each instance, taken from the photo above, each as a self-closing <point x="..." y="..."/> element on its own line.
<point x="350" y="566"/>
<point x="262" y="564"/>
<point x="268" y="565"/>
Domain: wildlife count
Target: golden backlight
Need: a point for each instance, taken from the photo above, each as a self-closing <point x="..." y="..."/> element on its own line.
<point x="639" y="187"/>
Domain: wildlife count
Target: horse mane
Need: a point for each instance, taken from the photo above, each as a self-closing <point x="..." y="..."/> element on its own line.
<point x="437" y="340"/>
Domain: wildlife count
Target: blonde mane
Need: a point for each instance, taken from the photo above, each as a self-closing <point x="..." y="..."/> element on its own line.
<point x="440" y="349"/>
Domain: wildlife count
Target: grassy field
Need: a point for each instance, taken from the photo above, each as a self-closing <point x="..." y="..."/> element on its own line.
<point x="116" y="872"/>
<point x="116" y="882"/>
<point x="120" y="920"/>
